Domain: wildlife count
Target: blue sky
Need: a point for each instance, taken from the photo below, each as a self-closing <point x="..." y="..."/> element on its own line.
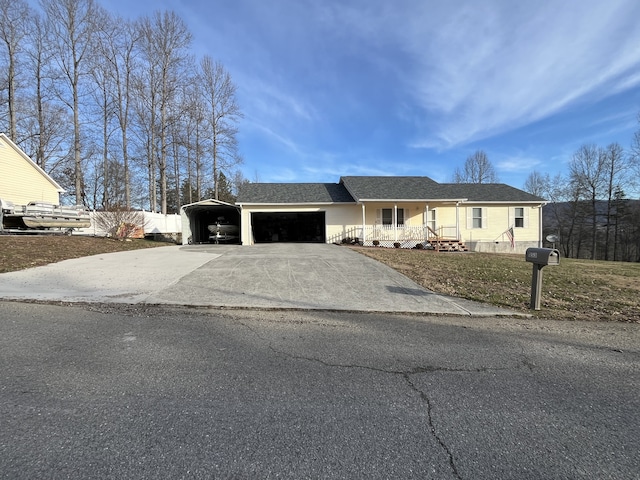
<point x="413" y="87"/>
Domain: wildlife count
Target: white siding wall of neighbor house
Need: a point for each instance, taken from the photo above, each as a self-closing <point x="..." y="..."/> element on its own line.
<point x="21" y="182"/>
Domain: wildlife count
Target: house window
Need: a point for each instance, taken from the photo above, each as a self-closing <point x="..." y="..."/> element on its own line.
<point x="518" y="217"/>
<point x="476" y="216"/>
<point x="387" y="216"/>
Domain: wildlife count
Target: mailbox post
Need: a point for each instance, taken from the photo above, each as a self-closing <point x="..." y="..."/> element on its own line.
<point x="540" y="257"/>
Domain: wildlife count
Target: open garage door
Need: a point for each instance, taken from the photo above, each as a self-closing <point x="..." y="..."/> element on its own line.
<point x="294" y="227"/>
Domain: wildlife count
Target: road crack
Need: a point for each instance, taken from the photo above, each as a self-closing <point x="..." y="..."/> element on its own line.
<point x="406" y="375"/>
<point x="434" y="433"/>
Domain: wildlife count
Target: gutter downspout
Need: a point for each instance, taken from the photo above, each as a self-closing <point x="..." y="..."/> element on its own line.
<point x="540" y="225"/>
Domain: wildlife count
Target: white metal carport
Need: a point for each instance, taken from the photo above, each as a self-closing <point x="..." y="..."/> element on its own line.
<point x="196" y="217"/>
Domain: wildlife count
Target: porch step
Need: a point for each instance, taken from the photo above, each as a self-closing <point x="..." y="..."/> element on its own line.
<point x="449" y="246"/>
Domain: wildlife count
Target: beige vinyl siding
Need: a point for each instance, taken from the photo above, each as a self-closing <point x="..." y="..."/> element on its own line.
<point x="20" y="181"/>
<point x="497" y="219"/>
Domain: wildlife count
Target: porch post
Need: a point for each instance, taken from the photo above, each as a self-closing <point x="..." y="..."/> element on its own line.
<point x="395" y="221"/>
<point x="425" y="223"/>
<point x="458" y="221"/>
<point x="364" y="225"/>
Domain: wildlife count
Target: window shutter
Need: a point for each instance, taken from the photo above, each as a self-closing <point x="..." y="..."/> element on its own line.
<point x="512" y="217"/>
<point x="526" y="217"/>
<point x="378" y="216"/>
<point x="485" y="224"/>
<point x="469" y="218"/>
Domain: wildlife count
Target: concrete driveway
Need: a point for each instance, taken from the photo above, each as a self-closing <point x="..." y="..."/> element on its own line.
<point x="271" y="276"/>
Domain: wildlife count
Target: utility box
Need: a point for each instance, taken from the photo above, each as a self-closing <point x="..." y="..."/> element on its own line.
<point x="540" y="257"/>
<point x="543" y="256"/>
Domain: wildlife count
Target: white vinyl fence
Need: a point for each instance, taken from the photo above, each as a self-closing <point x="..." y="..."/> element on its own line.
<point x="154" y="223"/>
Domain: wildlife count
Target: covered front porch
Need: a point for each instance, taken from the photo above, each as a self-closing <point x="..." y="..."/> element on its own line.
<point x="409" y="225"/>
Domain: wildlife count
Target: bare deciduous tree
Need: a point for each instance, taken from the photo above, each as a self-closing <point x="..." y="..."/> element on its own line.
<point x="16" y="16"/>
<point x="537" y="184"/>
<point x="118" y="43"/>
<point x="72" y="24"/>
<point x="616" y="167"/>
<point x="588" y="171"/>
<point x="165" y="40"/>
<point x="634" y="154"/>
<point x="47" y="124"/>
<point x="222" y="115"/>
<point x="477" y="169"/>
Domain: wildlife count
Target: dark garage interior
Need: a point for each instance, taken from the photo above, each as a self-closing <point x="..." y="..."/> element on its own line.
<point x="201" y="215"/>
<point x="292" y="227"/>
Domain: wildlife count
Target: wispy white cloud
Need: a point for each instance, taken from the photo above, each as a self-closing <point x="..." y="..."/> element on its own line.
<point x="488" y="67"/>
<point x="518" y="163"/>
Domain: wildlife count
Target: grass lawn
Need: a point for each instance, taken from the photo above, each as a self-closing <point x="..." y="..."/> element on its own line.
<point x="574" y="290"/>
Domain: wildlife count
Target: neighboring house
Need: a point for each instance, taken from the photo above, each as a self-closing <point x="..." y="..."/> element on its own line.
<point x="402" y="211"/>
<point x="22" y="180"/>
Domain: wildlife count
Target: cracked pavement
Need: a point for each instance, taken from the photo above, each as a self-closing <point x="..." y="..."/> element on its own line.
<point x="139" y="391"/>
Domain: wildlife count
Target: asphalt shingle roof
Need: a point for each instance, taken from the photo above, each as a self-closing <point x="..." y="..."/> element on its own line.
<point x="487" y="192"/>
<point x="352" y="189"/>
<point x="280" y="193"/>
<point x="368" y="188"/>
<point x="424" y="188"/>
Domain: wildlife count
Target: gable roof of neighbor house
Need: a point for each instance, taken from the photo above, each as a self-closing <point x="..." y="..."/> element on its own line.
<point x="4" y="140"/>
<point x="352" y="189"/>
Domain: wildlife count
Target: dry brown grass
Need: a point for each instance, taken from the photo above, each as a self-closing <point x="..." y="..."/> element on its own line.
<point x="18" y="252"/>
<point x="574" y="290"/>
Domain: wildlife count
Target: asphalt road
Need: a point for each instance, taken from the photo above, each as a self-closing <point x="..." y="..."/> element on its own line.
<point x="115" y="391"/>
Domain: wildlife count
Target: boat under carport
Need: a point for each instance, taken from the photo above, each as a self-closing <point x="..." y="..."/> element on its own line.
<point x="196" y="218"/>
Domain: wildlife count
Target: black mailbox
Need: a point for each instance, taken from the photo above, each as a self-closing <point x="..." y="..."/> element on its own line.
<point x="540" y="257"/>
<point x="543" y="256"/>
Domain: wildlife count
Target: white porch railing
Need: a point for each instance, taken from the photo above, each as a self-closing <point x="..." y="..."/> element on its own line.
<point x="407" y="236"/>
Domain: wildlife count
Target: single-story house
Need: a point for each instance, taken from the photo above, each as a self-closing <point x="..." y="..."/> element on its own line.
<point x="406" y="212"/>
<point x="22" y="180"/>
